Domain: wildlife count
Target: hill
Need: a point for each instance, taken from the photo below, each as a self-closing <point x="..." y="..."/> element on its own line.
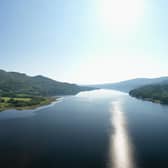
<point x="14" y="83"/>
<point x="155" y="93"/>
<point x="129" y="85"/>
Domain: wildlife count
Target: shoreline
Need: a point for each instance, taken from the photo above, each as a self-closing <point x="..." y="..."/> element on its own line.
<point x="156" y="101"/>
<point x="46" y="102"/>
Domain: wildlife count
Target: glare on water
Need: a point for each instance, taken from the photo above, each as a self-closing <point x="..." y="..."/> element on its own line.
<point x="121" y="153"/>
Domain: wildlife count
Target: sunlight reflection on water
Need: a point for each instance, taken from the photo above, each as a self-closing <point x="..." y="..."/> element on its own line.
<point x="121" y="152"/>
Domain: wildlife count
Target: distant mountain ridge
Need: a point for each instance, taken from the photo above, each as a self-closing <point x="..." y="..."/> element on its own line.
<point x="129" y="85"/>
<point x="12" y="83"/>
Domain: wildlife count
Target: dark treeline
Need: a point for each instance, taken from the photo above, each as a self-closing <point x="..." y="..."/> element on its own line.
<point x="155" y="93"/>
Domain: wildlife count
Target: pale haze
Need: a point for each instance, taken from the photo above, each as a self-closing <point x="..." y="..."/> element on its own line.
<point x="86" y="41"/>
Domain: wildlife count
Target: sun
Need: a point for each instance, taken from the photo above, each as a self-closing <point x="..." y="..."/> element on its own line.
<point x="121" y="14"/>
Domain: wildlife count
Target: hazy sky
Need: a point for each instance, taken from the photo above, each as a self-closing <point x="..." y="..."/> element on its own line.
<point x="85" y="41"/>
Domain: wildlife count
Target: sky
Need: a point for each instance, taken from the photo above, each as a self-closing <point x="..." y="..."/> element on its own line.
<point x="86" y="41"/>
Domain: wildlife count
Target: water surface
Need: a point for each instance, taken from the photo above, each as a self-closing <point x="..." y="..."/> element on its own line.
<point x="92" y="129"/>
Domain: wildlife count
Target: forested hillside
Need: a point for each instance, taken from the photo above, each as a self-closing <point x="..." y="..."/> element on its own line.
<point x="156" y="93"/>
<point x="15" y="84"/>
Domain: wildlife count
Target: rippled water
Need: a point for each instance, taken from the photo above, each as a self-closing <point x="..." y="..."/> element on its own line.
<point x="96" y="129"/>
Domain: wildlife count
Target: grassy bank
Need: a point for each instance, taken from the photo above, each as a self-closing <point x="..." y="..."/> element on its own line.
<point x="23" y="103"/>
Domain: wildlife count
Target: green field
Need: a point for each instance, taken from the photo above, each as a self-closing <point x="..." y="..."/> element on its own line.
<point x="19" y="99"/>
<point x="22" y="103"/>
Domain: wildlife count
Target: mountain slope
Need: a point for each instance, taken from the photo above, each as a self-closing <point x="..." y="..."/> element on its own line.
<point x="155" y="93"/>
<point x="128" y="85"/>
<point x="12" y="83"/>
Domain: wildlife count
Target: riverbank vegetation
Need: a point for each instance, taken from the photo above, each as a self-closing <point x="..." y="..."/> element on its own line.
<point x="22" y="103"/>
<point x="20" y="91"/>
<point x="156" y="93"/>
